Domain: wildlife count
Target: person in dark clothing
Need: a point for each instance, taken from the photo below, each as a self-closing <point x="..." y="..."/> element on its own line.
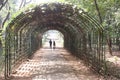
<point x="54" y="44"/>
<point x="50" y="42"/>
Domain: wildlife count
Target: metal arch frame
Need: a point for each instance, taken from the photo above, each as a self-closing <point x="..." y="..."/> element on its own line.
<point x="81" y="23"/>
<point x="54" y="26"/>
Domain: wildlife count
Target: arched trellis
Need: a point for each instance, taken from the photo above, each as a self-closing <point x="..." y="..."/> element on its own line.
<point x="62" y="30"/>
<point x="83" y="34"/>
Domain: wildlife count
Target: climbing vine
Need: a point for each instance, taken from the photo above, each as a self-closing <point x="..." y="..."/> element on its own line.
<point x="97" y="22"/>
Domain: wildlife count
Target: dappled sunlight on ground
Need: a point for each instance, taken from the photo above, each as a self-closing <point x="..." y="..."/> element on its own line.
<point x="114" y="58"/>
<point x="58" y="64"/>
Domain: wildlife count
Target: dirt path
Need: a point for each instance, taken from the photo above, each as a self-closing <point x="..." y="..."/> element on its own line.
<point x="57" y="64"/>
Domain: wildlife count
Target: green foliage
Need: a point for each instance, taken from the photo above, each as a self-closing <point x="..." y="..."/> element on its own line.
<point x="109" y="10"/>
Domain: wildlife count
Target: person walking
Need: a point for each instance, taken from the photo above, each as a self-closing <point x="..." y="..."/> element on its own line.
<point x="54" y="44"/>
<point x="50" y="42"/>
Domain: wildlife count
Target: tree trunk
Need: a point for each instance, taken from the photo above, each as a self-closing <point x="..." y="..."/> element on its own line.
<point x="100" y="19"/>
<point x="97" y="8"/>
<point x="119" y="45"/>
<point x="89" y="39"/>
<point x="109" y="42"/>
<point x="117" y="42"/>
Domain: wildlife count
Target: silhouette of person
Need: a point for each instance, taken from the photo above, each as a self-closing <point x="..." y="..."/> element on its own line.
<point x="54" y="44"/>
<point x="50" y="42"/>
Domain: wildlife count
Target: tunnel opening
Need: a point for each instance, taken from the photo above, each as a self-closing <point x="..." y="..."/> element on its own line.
<point x="53" y="35"/>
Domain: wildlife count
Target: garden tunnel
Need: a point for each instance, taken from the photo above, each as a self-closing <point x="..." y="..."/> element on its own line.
<point x="83" y="35"/>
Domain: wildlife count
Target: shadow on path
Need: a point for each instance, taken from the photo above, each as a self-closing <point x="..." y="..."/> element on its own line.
<point x="58" y="64"/>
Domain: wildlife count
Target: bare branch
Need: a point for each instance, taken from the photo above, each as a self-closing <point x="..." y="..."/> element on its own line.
<point x="27" y="2"/>
<point x="22" y="3"/>
<point x="7" y="17"/>
<point x="3" y="4"/>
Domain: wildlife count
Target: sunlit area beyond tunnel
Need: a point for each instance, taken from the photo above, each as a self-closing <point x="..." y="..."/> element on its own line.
<point x="54" y="36"/>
